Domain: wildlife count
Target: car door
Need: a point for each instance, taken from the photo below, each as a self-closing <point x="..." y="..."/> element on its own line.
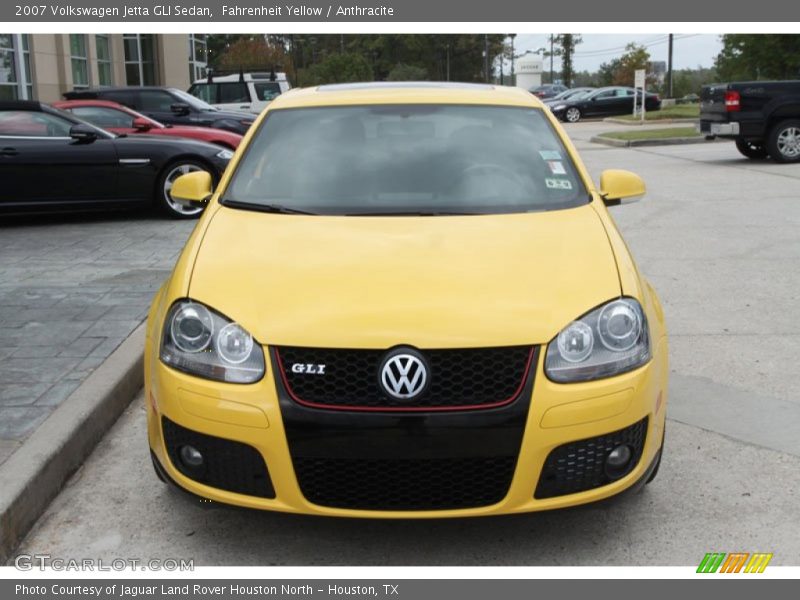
<point x="157" y="104"/>
<point x="600" y="103"/>
<point x="233" y="95"/>
<point x="623" y="104"/>
<point x="41" y="164"/>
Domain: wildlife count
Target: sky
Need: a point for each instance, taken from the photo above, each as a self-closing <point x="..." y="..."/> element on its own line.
<point x="689" y="50"/>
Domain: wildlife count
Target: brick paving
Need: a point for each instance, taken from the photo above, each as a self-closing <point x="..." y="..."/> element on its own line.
<point x="71" y="290"/>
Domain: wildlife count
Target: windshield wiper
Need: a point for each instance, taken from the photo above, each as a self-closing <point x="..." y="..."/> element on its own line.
<point x="267" y="208"/>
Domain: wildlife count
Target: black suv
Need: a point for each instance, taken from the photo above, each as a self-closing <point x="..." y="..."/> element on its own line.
<point x="169" y="106"/>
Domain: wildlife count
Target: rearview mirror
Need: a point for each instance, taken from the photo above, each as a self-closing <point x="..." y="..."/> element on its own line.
<point x="193" y="189"/>
<point x="618" y="186"/>
<point x="82" y="133"/>
<point x="180" y="108"/>
<point x="141" y="124"/>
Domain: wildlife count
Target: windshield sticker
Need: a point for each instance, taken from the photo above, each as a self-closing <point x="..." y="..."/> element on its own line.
<point x="558" y="184"/>
<point x="556" y="167"/>
<point x="550" y="154"/>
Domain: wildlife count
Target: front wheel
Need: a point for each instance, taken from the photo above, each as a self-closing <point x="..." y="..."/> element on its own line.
<point x="783" y="143"/>
<point x="572" y="114"/>
<point x="170" y="207"/>
<point x="751" y="150"/>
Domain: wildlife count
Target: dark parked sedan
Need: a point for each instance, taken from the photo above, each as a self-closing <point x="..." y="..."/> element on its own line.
<point x="604" y="102"/>
<point x="53" y="161"/>
<point x="169" y="106"/>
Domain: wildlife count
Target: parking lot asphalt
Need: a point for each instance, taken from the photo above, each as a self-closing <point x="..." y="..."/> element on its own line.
<point x="72" y="288"/>
<point x="716" y="235"/>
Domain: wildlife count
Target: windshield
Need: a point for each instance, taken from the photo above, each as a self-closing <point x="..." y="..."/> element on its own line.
<point x="408" y="159"/>
<point x="192" y="100"/>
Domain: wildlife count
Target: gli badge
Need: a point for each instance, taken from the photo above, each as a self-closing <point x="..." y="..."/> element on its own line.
<point x="308" y="369"/>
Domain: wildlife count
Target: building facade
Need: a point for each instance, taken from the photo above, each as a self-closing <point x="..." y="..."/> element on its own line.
<point x="44" y="66"/>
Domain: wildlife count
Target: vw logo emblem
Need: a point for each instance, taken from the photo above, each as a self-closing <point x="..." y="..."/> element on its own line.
<point x="404" y="374"/>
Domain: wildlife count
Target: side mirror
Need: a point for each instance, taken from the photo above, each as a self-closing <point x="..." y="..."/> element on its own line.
<point x="618" y="186"/>
<point x="82" y="133"/>
<point x="193" y="189"/>
<point x="141" y="124"/>
<point x="180" y="108"/>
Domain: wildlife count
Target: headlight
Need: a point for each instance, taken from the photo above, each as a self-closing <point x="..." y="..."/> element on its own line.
<point x="610" y="340"/>
<point x="559" y="107"/>
<point x="199" y="341"/>
<point x="225" y="154"/>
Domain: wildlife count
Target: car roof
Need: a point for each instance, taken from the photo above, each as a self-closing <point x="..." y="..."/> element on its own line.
<point x="21" y="105"/>
<point x="405" y="92"/>
<point x="90" y="102"/>
<point x="93" y="92"/>
<point x="255" y="77"/>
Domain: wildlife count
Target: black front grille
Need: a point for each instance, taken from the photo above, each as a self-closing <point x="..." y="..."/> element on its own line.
<point x="405" y="484"/>
<point x="228" y="465"/>
<point x="459" y="379"/>
<point x="580" y="466"/>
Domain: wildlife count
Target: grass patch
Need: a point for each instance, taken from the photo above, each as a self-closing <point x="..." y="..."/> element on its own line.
<point x="679" y="111"/>
<point x="652" y="134"/>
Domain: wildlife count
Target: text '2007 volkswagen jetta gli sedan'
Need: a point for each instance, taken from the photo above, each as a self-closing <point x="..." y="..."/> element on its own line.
<point x="406" y="300"/>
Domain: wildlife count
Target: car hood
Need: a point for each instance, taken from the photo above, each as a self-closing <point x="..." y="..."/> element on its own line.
<point x="430" y="282"/>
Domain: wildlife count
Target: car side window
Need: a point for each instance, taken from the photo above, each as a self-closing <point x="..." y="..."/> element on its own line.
<point x="233" y="92"/>
<point x="605" y="94"/>
<point x="103" y="116"/>
<point x="624" y="93"/>
<point x="155" y="100"/>
<point x="24" y="123"/>
<point x="268" y="91"/>
<point x="205" y="91"/>
<point x="124" y="98"/>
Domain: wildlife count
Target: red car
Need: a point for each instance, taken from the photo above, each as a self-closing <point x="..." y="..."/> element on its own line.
<point x="121" y="119"/>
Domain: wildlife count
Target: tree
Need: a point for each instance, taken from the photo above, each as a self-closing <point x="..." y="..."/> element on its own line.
<point x="337" y="68"/>
<point x="605" y="74"/>
<point x="566" y="43"/>
<point x="253" y="55"/>
<point x="404" y="72"/>
<point x="635" y="57"/>
<point x="759" y="56"/>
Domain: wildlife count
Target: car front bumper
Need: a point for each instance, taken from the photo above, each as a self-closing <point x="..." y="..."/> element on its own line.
<point x="323" y="462"/>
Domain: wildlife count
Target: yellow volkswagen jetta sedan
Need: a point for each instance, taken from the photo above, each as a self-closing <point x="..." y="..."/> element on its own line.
<point x="406" y="300"/>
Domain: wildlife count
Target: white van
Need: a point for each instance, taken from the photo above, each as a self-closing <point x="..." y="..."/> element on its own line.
<point x="242" y="91"/>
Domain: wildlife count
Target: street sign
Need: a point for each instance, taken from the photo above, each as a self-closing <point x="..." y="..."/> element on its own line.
<point x="639" y="78"/>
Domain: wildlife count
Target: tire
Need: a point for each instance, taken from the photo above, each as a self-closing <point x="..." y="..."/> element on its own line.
<point x="751" y="150"/>
<point x="169" y="174"/>
<point x="783" y="142"/>
<point x="572" y="114"/>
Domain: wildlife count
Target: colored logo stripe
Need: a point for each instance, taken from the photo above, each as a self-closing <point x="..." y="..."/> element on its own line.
<point x="734" y="563"/>
<point x="711" y="562"/>
<point x="758" y="562"/>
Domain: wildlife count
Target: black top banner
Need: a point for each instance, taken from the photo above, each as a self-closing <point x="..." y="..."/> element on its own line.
<point x="388" y="11"/>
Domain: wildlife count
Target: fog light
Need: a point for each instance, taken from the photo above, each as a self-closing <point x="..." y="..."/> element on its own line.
<point x="618" y="461"/>
<point x="191" y="457"/>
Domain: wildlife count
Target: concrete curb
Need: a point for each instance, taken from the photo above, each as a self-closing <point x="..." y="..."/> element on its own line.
<point x="35" y="473"/>
<point x="651" y="122"/>
<point x="599" y="139"/>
